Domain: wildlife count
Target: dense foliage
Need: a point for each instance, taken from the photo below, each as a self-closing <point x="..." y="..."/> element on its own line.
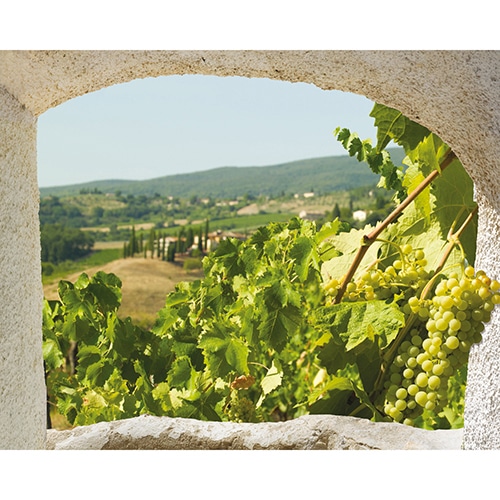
<point x="60" y="243"/>
<point x="54" y="211"/>
<point x="374" y="322"/>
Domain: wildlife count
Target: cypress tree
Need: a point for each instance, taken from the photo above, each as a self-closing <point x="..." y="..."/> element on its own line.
<point x="133" y="244"/>
<point x="171" y="252"/>
<point x="181" y="241"/>
<point x="336" y="211"/>
<point x="200" y="239"/>
<point x="158" y="249"/>
<point x="189" y="238"/>
<point x="205" y="243"/>
<point x="151" y="241"/>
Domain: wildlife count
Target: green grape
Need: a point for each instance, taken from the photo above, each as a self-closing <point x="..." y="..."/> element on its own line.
<point x="437" y="369"/>
<point x="406" y="249"/>
<point x="421" y="398"/>
<point x="401" y="393"/>
<point x="413" y="389"/>
<point x="414" y="303"/>
<point x="423" y="356"/>
<point x="426" y="344"/>
<point x="419" y="255"/>
<point x="452" y="342"/>
<point x="421" y="379"/>
<point x="441" y="324"/>
<point x="399" y="361"/>
<point x="411" y="362"/>
<point x="427" y="365"/>
<point x="432" y="396"/>
<point x="400" y="405"/>
<point x="240" y="409"/>
<point x="447" y="302"/>
<point x="416" y="340"/>
<point x="430" y="405"/>
<point x="413" y="351"/>
<point x="406" y="382"/>
<point x="433" y="382"/>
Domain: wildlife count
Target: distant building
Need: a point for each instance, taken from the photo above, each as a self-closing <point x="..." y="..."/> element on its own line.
<point x="359" y="215"/>
<point x="311" y="215"/>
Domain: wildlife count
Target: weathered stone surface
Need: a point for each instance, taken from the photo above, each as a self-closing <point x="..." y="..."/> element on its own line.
<point x="311" y="432"/>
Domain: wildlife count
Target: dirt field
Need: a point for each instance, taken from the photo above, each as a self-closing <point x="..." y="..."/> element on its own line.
<point x="146" y="283"/>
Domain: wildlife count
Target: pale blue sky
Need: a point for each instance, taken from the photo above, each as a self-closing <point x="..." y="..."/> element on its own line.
<point x="168" y="125"/>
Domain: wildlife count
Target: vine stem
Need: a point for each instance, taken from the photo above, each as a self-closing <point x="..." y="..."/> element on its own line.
<point x="453" y="240"/>
<point x="368" y="239"/>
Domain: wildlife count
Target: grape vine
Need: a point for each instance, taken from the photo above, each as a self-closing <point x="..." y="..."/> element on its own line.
<point x="374" y="323"/>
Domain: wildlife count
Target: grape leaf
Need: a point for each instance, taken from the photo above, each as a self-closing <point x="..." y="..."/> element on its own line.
<point x="52" y="354"/>
<point x="278" y="325"/>
<point x="328" y="230"/>
<point x="166" y="318"/>
<point x="378" y="160"/>
<point x="426" y="224"/>
<point x="337" y="397"/>
<point x="305" y="256"/>
<point x="82" y="281"/>
<point x="392" y="125"/>
<point x="355" y="322"/>
<point x="223" y="352"/>
<point x="271" y="381"/>
<point x="181" y="372"/>
<point x="333" y="355"/>
<point x="97" y="373"/>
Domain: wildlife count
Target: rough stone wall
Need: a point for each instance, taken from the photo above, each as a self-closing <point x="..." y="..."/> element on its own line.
<point x="455" y="94"/>
<point x="22" y="388"/>
<point x="311" y="432"/>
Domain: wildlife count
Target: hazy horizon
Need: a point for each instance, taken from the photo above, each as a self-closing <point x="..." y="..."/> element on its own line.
<point x="155" y="127"/>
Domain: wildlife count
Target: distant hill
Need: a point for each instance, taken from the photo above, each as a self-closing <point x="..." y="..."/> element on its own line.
<point x="321" y="175"/>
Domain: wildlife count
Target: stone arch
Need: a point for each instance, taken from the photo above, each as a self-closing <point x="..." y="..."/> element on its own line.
<point x="453" y="93"/>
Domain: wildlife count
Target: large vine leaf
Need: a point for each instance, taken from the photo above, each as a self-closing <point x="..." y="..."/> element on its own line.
<point x="305" y="257"/>
<point x="427" y="223"/>
<point x="223" y="352"/>
<point x="278" y="325"/>
<point x="392" y="125"/>
<point x="355" y="322"/>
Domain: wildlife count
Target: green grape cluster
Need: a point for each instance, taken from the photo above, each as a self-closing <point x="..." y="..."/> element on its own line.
<point x="445" y="328"/>
<point x="240" y="408"/>
<point x="441" y="329"/>
<point x="401" y="279"/>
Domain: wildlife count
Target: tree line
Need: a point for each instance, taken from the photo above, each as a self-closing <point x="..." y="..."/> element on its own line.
<point x="158" y="245"/>
<point x="60" y="243"/>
